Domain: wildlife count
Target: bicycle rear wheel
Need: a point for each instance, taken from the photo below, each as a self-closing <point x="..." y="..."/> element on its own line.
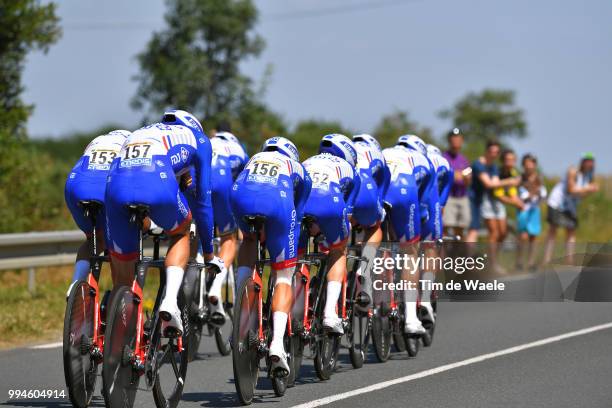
<point x="327" y="345"/>
<point x="223" y="333"/>
<point x="381" y="334"/>
<point x="80" y="369"/>
<point x="194" y="337"/>
<point x="245" y="341"/>
<point x="119" y="378"/>
<point x="170" y="362"/>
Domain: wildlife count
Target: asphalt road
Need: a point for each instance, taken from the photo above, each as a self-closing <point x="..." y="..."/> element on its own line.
<point x="564" y="372"/>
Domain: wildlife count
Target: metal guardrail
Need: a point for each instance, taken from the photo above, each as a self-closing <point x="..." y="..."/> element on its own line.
<point x="31" y="250"/>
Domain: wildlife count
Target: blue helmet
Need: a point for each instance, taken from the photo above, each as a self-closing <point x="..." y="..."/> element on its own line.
<point x="369" y="139"/>
<point x="340" y="146"/>
<point x="433" y="150"/>
<point x="282" y="145"/>
<point x="413" y="142"/>
<point x="181" y="117"/>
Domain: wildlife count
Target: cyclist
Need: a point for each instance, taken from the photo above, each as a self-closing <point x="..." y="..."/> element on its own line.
<point x="368" y="210"/>
<point x="273" y="184"/>
<point x="335" y="184"/>
<point x="228" y="159"/>
<point x="153" y="161"/>
<point x="443" y="177"/>
<point x="87" y="181"/>
<point x="407" y="196"/>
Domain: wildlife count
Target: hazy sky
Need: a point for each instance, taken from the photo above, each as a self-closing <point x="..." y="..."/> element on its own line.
<point x="346" y="60"/>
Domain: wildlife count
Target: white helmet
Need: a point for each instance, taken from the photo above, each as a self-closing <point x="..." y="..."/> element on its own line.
<point x="413" y="142"/>
<point x="340" y="146"/>
<point x="181" y="117"/>
<point x="227" y="136"/>
<point x="282" y="145"/>
<point x="369" y="139"/>
<point x="433" y="150"/>
<point x="120" y="132"/>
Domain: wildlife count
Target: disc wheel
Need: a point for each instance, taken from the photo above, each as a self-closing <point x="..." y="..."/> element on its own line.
<point x="119" y="379"/>
<point x="80" y="369"/>
<point x="245" y="358"/>
<point x="381" y="335"/>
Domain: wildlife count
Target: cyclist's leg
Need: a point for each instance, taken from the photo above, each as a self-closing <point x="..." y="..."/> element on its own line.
<point x="85" y="187"/>
<point x="282" y="237"/>
<point x="405" y="221"/>
<point x="430" y="231"/>
<point x="170" y="210"/>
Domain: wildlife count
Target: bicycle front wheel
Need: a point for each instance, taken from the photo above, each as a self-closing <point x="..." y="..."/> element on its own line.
<point x="80" y="368"/>
<point x="222" y="334"/>
<point x="381" y="334"/>
<point x="245" y="340"/>
<point x="119" y="378"/>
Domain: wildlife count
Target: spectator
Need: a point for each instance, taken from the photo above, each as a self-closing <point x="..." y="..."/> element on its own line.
<point x="456" y="216"/>
<point x="563" y="204"/>
<point x="531" y="193"/>
<point x="507" y="195"/>
<point x="485" y="178"/>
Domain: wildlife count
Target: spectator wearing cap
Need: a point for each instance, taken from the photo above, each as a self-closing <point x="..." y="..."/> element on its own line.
<point x="456" y="216"/>
<point x="563" y="204"/>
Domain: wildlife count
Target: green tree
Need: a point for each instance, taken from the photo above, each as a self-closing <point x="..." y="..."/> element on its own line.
<point x="25" y="25"/>
<point x="194" y="63"/>
<point x="399" y="123"/>
<point x="307" y="135"/>
<point x="489" y="114"/>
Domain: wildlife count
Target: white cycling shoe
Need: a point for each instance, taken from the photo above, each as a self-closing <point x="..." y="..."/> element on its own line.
<point x="415" y="328"/>
<point x="429" y="316"/>
<point x="278" y="358"/>
<point x="171" y="322"/>
<point x="333" y="324"/>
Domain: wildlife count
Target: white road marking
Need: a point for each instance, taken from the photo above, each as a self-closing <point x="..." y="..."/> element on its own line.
<point x="47" y="346"/>
<point x="451" y="366"/>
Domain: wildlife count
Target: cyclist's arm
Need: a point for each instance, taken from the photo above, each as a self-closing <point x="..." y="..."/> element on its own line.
<point x="301" y="191"/>
<point x="203" y="211"/>
<point x="353" y="190"/>
<point x="447" y="183"/>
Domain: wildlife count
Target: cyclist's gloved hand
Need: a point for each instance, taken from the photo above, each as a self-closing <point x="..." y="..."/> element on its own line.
<point x="216" y="264"/>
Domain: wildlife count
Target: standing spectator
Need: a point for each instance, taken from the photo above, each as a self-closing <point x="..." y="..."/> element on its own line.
<point x="456" y="216"/>
<point x="563" y="204"/>
<point x="531" y="193"/>
<point x="507" y="195"/>
<point x="485" y="178"/>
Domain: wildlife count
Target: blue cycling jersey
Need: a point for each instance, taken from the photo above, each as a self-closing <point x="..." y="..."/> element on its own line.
<point x="444" y="176"/>
<point x="87" y="179"/>
<point x="146" y="172"/>
<point x="228" y="160"/>
<point x="375" y="176"/>
<point x="277" y="187"/>
<point x="335" y="185"/>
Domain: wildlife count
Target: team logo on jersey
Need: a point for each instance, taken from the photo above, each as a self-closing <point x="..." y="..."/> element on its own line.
<point x="184" y="154"/>
<point x="159" y="163"/>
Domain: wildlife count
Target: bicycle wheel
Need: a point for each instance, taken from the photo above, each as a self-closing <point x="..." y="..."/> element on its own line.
<point x="222" y="334"/>
<point x="357" y="332"/>
<point x="245" y="341"/>
<point x="194" y="337"/>
<point x="429" y="326"/>
<point x="326" y="345"/>
<point x="279" y="384"/>
<point x="398" y="329"/>
<point x="412" y="344"/>
<point x="296" y="349"/>
<point x="119" y="378"/>
<point x="381" y="334"/>
<point x="170" y="363"/>
<point x="80" y="369"/>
